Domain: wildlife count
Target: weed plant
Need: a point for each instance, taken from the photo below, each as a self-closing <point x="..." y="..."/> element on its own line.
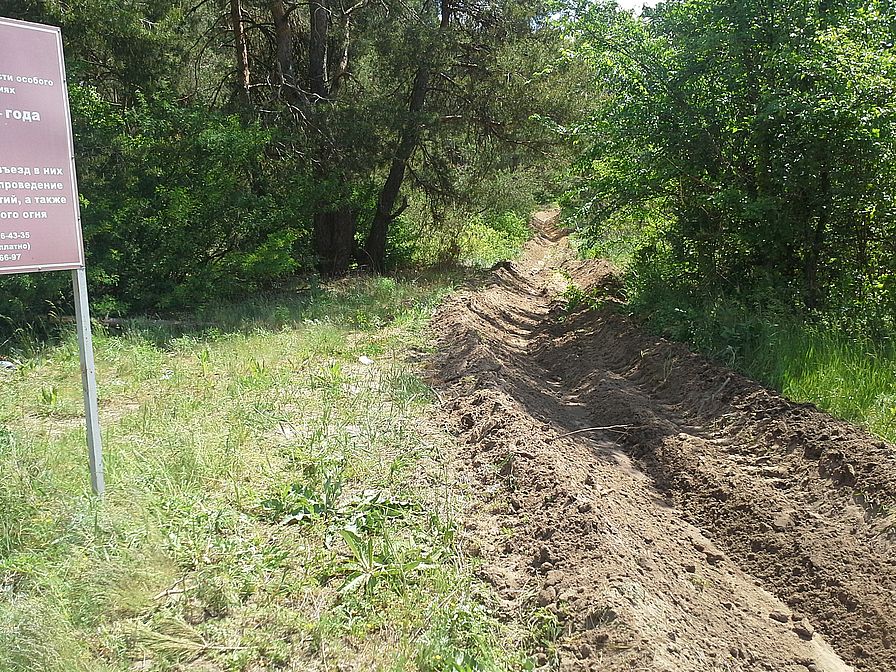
<point x="274" y="500"/>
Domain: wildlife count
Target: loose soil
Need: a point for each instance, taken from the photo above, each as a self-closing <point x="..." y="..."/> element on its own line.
<point x="664" y="512"/>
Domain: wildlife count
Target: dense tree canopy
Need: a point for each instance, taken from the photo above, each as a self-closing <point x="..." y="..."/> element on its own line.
<point x="226" y="145"/>
<point x="756" y="138"/>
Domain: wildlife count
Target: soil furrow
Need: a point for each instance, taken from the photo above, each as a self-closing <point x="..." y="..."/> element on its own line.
<point x="713" y="526"/>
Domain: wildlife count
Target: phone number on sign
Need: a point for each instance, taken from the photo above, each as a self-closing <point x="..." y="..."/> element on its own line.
<point x="15" y="235"/>
<point x="10" y="257"/>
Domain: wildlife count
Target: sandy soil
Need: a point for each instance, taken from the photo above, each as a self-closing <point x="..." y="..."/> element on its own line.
<point x="711" y="525"/>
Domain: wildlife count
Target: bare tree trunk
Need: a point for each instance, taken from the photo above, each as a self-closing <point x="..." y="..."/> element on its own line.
<point x="241" y="49"/>
<point x="317" y="49"/>
<point x="334" y="223"/>
<point x="374" y="251"/>
<point x="334" y="239"/>
<point x="341" y="69"/>
<point x="283" y="34"/>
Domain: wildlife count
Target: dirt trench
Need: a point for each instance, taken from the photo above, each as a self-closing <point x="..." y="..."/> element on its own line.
<point x="711" y="525"/>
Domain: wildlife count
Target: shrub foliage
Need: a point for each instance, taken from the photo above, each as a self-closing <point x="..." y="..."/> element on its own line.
<point x="756" y="140"/>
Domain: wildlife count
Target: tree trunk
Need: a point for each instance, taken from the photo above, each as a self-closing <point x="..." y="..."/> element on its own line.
<point x="317" y="49"/>
<point x="341" y="69"/>
<point x="374" y="250"/>
<point x="334" y="239"/>
<point x="241" y="49"/>
<point x="283" y="34"/>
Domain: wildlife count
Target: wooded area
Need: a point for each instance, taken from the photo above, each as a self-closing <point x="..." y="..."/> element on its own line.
<point x="226" y="146"/>
<point x="752" y="146"/>
<point x="746" y="148"/>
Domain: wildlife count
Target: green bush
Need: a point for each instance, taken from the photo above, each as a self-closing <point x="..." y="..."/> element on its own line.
<point x="180" y="205"/>
<point x="764" y="144"/>
<point x="807" y="357"/>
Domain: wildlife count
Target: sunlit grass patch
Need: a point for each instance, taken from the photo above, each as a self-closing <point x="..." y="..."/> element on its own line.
<point x="274" y="498"/>
<point x="854" y="379"/>
<point x="848" y="374"/>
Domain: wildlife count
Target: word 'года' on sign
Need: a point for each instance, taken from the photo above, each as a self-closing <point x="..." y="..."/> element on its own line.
<point x="39" y="215"/>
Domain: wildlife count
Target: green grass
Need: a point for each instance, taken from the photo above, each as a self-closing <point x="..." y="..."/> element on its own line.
<point x="822" y="359"/>
<point x="853" y="379"/>
<point x="272" y="503"/>
<point x="851" y="376"/>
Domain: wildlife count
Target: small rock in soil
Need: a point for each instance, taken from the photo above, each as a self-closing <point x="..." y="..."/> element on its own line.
<point x="804" y="629"/>
<point x="782" y="522"/>
<point x="554" y="577"/>
<point x="714" y="557"/>
<point x="546" y="596"/>
<point x="779" y="616"/>
<point x="541" y="556"/>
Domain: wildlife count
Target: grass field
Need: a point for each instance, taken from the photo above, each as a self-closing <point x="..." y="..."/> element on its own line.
<point x="275" y="501"/>
<point x="851" y="378"/>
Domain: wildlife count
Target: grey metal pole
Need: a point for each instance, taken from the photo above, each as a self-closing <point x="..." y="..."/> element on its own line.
<point x="88" y="379"/>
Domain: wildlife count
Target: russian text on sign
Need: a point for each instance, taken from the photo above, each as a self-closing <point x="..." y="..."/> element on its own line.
<point x="23" y="115"/>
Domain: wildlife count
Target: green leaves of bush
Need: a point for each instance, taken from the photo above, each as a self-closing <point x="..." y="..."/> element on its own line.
<point x="758" y="151"/>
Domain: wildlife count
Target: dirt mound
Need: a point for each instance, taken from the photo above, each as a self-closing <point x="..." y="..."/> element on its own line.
<point x="662" y="511"/>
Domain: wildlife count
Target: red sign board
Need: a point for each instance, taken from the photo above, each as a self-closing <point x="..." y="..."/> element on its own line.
<point x="40" y="227"/>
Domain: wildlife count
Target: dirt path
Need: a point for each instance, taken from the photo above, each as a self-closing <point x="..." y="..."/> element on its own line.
<point x="714" y="526"/>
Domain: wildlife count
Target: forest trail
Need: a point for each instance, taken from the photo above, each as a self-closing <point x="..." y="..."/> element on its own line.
<point x="714" y="527"/>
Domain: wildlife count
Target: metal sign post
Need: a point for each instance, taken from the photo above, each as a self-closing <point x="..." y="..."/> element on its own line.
<point x="88" y="380"/>
<point x="40" y="216"/>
